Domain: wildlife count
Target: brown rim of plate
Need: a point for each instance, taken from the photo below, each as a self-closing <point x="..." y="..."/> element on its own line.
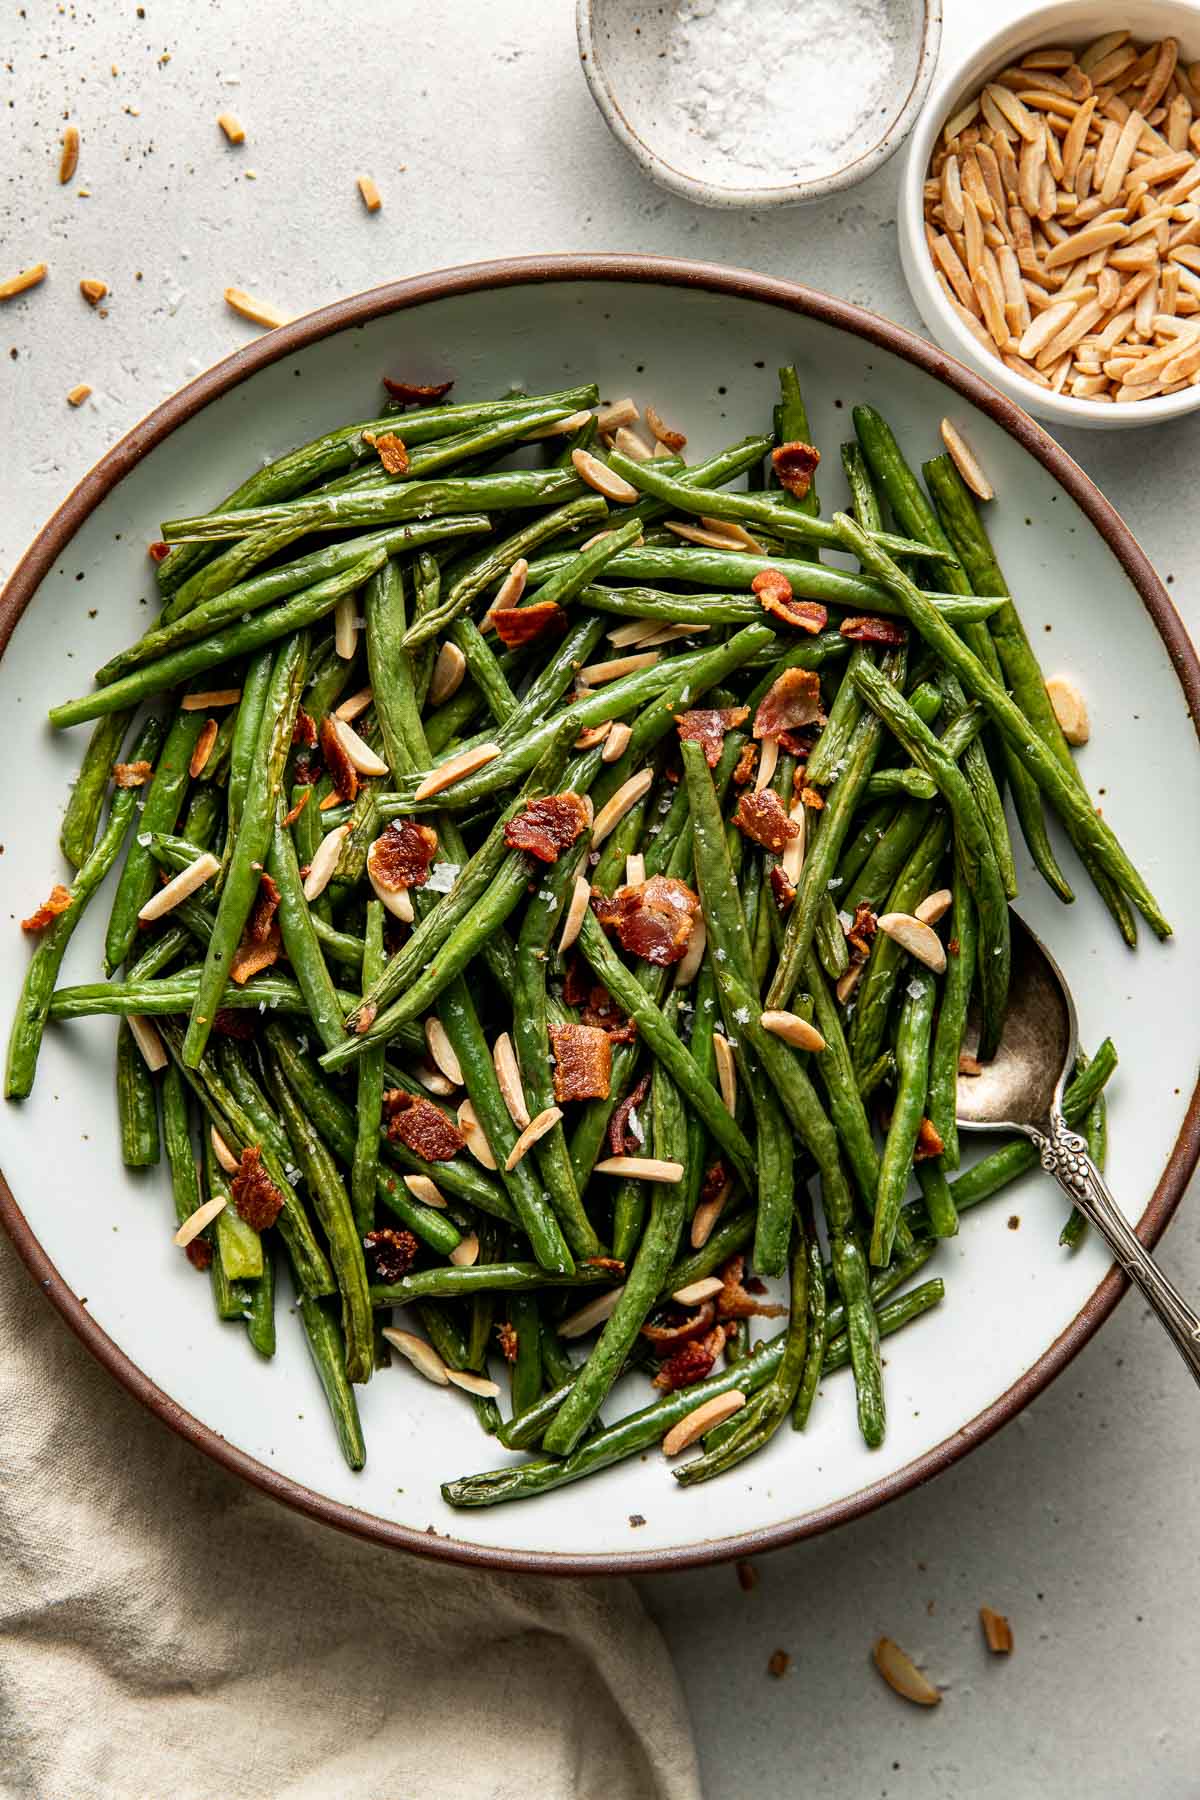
<point x="285" y="340"/>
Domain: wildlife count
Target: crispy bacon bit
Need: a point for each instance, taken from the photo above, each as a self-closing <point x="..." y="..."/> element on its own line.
<point x="582" y="1062"/>
<point x="653" y="921"/>
<point x="520" y="625"/>
<point x="772" y="586"/>
<point x="232" y="1023"/>
<point x="304" y="731"/>
<point x="266" y="905"/>
<point x="672" y="1325"/>
<point x="862" y="931"/>
<point x="694" y="1362"/>
<point x="199" y="1253"/>
<point x="707" y="725"/>
<point x="507" y="1336"/>
<point x="204" y="748"/>
<point x="747" y="762"/>
<point x="255" y="1195"/>
<point x="158" y="552"/>
<point x="782" y="887"/>
<point x="412" y="393"/>
<point x="790" y="703"/>
<point x="795" y="464"/>
<point x="621" y="1140"/>
<point x="735" y="1301"/>
<point x="613" y="1264"/>
<point x="131" y="775"/>
<point x="289" y="818"/>
<point x="421" y="1126"/>
<point x="969" y="1065"/>
<point x="252" y="957"/>
<point x="953" y="947"/>
<point x="392" y="453"/>
<point x="929" y="1141"/>
<point x="48" y="911"/>
<point x="307" y="769"/>
<point x="365" y="1018"/>
<point x="805" y="615"/>
<point x="798" y="743"/>
<point x="812" y="798"/>
<point x="390" y="1254"/>
<point x="761" y="816"/>
<point x="596" y="1004"/>
<point x="716" y="1177"/>
<point x="869" y="630"/>
<point x="402" y="855"/>
<point x="547" y="826"/>
<point x="341" y="769"/>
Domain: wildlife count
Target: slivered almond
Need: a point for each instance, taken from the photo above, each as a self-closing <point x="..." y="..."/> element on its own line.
<point x="1018" y="116"/>
<point x="616" y="740"/>
<point x="641" y="1168"/>
<point x="1044" y="327"/>
<point x="920" y="940"/>
<point x="714" y="534"/>
<point x="705" y="1217"/>
<point x="232" y="128"/>
<point x="426" y="1191"/>
<point x="619" y="412"/>
<point x="960" y="120"/>
<point x="210" y="698"/>
<point x="423" y="1357"/>
<point x="465" y="1253"/>
<point x="635" y="869"/>
<point x="397" y="901"/>
<point x="935" y="906"/>
<point x="259" y="312"/>
<point x="564" y="427"/>
<point x="325" y="861"/>
<point x="631" y="445"/>
<point x="902" y="1674"/>
<point x="355" y="706"/>
<point x="179" y="887"/>
<point x="793" y="1030"/>
<point x="455" y="769"/>
<point x="593" y="735"/>
<point x="442" y="1051"/>
<point x="948" y="258"/>
<point x="952" y="196"/>
<point x="595" y="1312"/>
<point x="537" y="1128"/>
<point x="1070" y="709"/>
<point x="674" y="441"/>
<point x="203" y="749"/>
<point x="702" y="1418"/>
<point x="345" y="627"/>
<point x="447" y="676"/>
<point x="1083" y="243"/>
<point x="997" y="1631"/>
<point x="849" y="981"/>
<point x="78" y="394"/>
<point x="966" y="462"/>
<point x="768" y="762"/>
<point x="224" y="1155"/>
<point x="147" y="1041"/>
<point x="792" y="860"/>
<point x="614" y="809"/>
<point x="476" y="1136"/>
<point x="359" y="754"/>
<point x="508" y="1078"/>
<point x="624" y="637"/>
<point x="726" y="1071"/>
<point x="68" y="162"/>
<point x="688" y="966"/>
<point x="697" y="1292"/>
<point x="479" y="1385"/>
<point x="195" y="1222"/>
<point x="92" y="290"/>
<point x="581" y="895"/>
<point x="596" y="674"/>
<point x="604" y="480"/>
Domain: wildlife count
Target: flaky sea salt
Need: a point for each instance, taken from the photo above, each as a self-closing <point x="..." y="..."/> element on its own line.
<point x="442" y="877"/>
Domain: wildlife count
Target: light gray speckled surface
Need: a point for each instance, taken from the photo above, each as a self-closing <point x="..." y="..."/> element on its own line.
<point x="478" y="127"/>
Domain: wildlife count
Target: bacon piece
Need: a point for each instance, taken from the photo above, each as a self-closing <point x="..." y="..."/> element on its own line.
<point x="782" y="887"/>
<point x="790" y="703"/>
<point x="929" y="1141"/>
<point x="390" y="1254"/>
<point x="747" y="762"/>
<point x="392" y="453"/>
<point x="547" y="826"/>
<point x="862" y="930"/>
<point x="402" y="855"/>
<point x="613" y="1264"/>
<point x="519" y="625"/>
<point x="772" y="585"/>
<point x="342" y="771"/>
<point x="866" y="629"/>
<point x="692" y="1363"/>
<point x="232" y="1023"/>
<point x="58" y="902"/>
<point x="203" y="749"/>
<point x="158" y="552"/>
<point x="621" y="1140"/>
<point x="654" y="921"/>
<point x="304" y="731"/>
<point x="131" y="775"/>
<point x="798" y="743"/>
<point x="412" y="393"/>
<point x="307" y="769"/>
<point x="671" y="1325"/>
<point x="255" y="1195"/>
<point x="251" y="957"/>
<point x="707" y="725"/>
<point x="421" y="1126"/>
<point x="761" y="816"/>
<point x="812" y="798"/>
<point x="199" y="1253"/>
<point x="775" y="595"/>
<point x="266" y="905"/>
<point x="596" y="1004"/>
<point x="735" y="1301"/>
<point x="716" y="1177"/>
<point x="364" y="1018"/>
<point x="506" y="1335"/>
<point x="795" y="464"/>
<point x="289" y="818"/>
<point x="582" y="1062"/>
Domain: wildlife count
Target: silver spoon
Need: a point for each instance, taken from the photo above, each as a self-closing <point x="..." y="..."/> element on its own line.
<point x="1021" y="1090"/>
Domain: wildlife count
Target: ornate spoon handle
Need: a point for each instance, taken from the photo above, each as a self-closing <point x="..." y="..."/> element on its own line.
<point x="1065" y="1156"/>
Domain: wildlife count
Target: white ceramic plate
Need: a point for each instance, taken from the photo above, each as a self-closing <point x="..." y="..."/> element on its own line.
<point x="703" y="344"/>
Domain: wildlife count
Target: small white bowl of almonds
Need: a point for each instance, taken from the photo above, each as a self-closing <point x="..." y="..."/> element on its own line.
<point x="1050" y="213"/>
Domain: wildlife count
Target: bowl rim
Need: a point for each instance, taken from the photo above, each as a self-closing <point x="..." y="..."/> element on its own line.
<point x="1021" y="33"/>
<point x="793" y="193"/>
<point x="48" y="547"/>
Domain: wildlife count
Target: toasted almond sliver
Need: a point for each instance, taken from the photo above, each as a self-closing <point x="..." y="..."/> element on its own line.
<point x="212" y="697"/>
<point x="624" y="637"/>
<point x="596" y="674"/>
<point x="1103" y="46"/>
<point x="456" y="768"/>
<point x="1070" y="708"/>
<point x="564" y="427"/>
<point x="359" y="754"/>
<point x="397" y="901"/>
<point x="426" y="1191"/>
<point x="147" y="1041"/>
<point x="663" y="433"/>
<point x="78" y="394"/>
<point x="595" y="1312"/>
<point x="1076" y="138"/>
<point x="635" y="869"/>
<point x="960" y="120"/>
<point x="259" y="312"/>
<point x="614" y="809"/>
<point x="195" y="1222"/>
<point x="737" y="534"/>
<point x="442" y="1051"/>
<point x="606" y="481"/>
<point x="792" y="860"/>
<point x="726" y="1071"/>
<point x="421" y="1355"/>
<point x="768" y="761"/>
<point x="1045" y="327"/>
<point x="447" y="676"/>
<point x="630" y="444"/>
<point x="702" y="1418"/>
<point x="473" y="1384"/>
<point x="966" y="462"/>
<point x="849" y="981"/>
<point x="465" y="1253"/>
<point x="581" y="895"/>
<point x="537" y="1128"/>
<point x="706" y="1215"/>
<point x="232" y="128"/>
<point x="714" y="535"/>
<point x="92" y="290"/>
<point x="224" y="1155"/>
<point x="947" y="256"/>
<point x="1032" y="162"/>
<point x="617" y="737"/>
<point x="476" y="1136"/>
<point x="952" y="196"/>
<point x="688" y="966"/>
<point x="921" y="941"/>
<point x="997" y="1631"/>
<point x="1083" y="243"/>
<point x="793" y="1030"/>
<point x="697" y="1292"/>
<point x="593" y="735"/>
<point x="325" y="861"/>
<point x="642" y="1168"/>
<point x="1122" y="155"/>
<point x="620" y="412"/>
<point x="345" y="627"/>
<point x="508" y="1078"/>
<point x="355" y="706"/>
<point x="68" y="162"/>
<point x="935" y="906"/>
<point x="179" y="887"/>
<point x="902" y="1674"/>
<point x="1018" y="116"/>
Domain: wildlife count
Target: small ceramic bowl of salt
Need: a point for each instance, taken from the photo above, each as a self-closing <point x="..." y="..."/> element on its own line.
<point x="759" y="102"/>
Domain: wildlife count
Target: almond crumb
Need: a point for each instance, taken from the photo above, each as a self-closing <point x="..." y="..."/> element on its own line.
<point x="234" y="130"/>
<point x="69" y="161"/>
<point x="78" y="394"/>
<point x="93" y="291"/>
<point x="372" y="199"/>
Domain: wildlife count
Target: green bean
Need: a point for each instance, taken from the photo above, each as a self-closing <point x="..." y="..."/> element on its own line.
<point x="328" y="1350"/>
<point x="137" y="1104"/>
<point x="525" y="1372"/>
<point x="731" y="1234"/>
<point x="982" y="782"/>
<point x="163" y="802"/>
<point x="175" y="994"/>
<point x="952" y="1016"/>
<point x="890" y="783"/>
<point x="836" y="1071"/>
<point x="340" y="946"/>
<point x="300" y="939"/>
<point x="391" y="672"/>
<point x="255" y="683"/>
<point x="485" y="669"/>
<point x="864" y="500"/>
<point x="228" y="569"/>
<point x="939" y="1201"/>
<point x="260" y="1318"/>
<point x="231" y="1296"/>
<point x="369" y="1103"/>
<point x="887" y="856"/>
<point x="81" y="817"/>
<point x="913" y="1034"/>
<point x="158" y="954"/>
<point x="874" y="994"/>
<point x="512" y="1277"/>
<point x="818" y="1333"/>
<point x="29" y="1021"/>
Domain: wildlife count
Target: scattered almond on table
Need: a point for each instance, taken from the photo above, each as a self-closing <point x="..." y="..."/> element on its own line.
<point x="372" y="199"/>
<point x="233" y="128"/>
<point x="997" y="1631"/>
<point x="78" y="394"/>
<point x="93" y="291"/>
<point x="17" y="284"/>
<point x="69" y="160"/>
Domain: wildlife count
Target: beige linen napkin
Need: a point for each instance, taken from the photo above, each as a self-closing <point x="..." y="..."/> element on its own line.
<point x="167" y="1631"/>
